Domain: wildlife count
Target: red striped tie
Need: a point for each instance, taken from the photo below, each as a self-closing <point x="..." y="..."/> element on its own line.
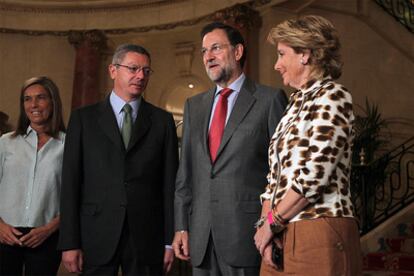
<point x="218" y="122"/>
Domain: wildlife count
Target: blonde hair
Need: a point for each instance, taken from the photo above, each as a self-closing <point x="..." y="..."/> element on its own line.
<point x="316" y="34"/>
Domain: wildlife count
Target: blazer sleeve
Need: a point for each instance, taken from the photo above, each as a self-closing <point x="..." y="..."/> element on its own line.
<point x="69" y="236"/>
<point x="170" y="170"/>
<point x="183" y="195"/>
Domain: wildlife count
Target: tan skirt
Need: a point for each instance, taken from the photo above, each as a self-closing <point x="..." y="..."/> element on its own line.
<point x="320" y="247"/>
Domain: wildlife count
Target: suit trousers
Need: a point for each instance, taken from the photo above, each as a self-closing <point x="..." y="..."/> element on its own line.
<point x="214" y="265"/>
<point x="321" y="247"/>
<point x="42" y="260"/>
<point x="125" y="257"/>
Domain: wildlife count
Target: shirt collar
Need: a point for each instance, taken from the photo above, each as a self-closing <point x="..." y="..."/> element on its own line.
<point x="117" y="103"/>
<point x="235" y="85"/>
<point x="314" y="84"/>
<point x="29" y="130"/>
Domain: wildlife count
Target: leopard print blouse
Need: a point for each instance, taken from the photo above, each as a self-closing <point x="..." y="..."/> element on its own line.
<point x="313" y="141"/>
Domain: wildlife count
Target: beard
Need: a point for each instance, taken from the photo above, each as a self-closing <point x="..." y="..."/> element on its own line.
<point x="221" y="76"/>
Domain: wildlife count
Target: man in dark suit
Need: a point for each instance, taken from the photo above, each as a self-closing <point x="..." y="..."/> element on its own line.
<point x="119" y="168"/>
<point x="219" y="180"/>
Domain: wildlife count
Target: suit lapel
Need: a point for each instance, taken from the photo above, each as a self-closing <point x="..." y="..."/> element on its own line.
<point x="107" y="121"/>
<point x="141" y="125"/>
<point x="244" y="102"/>
<point x="205" y="113"/>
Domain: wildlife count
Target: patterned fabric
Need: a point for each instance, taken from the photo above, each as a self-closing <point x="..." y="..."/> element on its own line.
<point x="313" y="141"/>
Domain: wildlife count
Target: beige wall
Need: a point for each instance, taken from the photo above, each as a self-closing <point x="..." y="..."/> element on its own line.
<point x="375" y="67"/>
<point x="23" y="57"/>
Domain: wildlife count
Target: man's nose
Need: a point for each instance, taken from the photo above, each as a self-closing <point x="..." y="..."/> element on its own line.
<point x="140" y="74"/>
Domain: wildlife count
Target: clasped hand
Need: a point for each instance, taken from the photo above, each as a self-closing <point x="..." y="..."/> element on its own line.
<point x="262" y="239"/>
<point x="11" y="236"/>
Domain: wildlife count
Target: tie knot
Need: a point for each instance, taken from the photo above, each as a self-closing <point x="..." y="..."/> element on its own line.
<point x="226" y="92"/>
<point x="127" y="109"/>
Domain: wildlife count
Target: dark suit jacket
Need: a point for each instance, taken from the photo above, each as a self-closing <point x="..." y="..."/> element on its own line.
<point x="103" y="183"/>
<point x="224" y="198"/>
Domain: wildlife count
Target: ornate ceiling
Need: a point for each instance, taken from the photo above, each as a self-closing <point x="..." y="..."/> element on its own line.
<point x="58" y="17"/>
<point x="78" y="5"/>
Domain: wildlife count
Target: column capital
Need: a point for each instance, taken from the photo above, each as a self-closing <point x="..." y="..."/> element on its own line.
<point x="94" y="38"/>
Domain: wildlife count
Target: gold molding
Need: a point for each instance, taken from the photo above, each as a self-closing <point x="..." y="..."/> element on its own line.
<point x="71" y="7"/>
<point x="241" y="13"/>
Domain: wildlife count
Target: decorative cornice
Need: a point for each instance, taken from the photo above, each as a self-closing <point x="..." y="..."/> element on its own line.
<point x="71" y="7"/>
<point x="243" y="15"/>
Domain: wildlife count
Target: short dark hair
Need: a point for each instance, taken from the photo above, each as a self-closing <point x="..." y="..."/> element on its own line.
<point x="56" y="123"/>
<point x="233" y="35"/>
<point x="123" y="49"/>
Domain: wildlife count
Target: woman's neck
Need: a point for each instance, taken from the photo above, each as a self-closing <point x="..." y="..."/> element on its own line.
<point x="41" y="130"/>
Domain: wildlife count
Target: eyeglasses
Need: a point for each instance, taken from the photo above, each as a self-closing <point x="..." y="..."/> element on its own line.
<point x="215" y="49"/>
<point x="136" y="69"/>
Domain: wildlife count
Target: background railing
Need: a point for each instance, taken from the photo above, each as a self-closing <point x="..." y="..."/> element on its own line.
<point x="383" y="187"/>
<point x="402" y="10"/>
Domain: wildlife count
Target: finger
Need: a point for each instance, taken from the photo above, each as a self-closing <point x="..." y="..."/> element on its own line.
<point x="167" y="267"/>
<point x="13" y="240"/>
<point x="29" y="241"/>
<point x="267" y="257"/>
<point x="279" y="243"/>
<point x="73" y="267"/>
<point x="36" y="243"/>
<point x="80" y="263"/>
<point x="68" y="266"/>
<point x="16" y="232"/>
<point x="177" y="251"/>
<point x="26" y="237"/>
<point x="184" y="248"/>
<point x="262" y="248"/>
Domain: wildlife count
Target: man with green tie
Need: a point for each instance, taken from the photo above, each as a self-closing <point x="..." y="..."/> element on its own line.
<point x="119" y="168"/>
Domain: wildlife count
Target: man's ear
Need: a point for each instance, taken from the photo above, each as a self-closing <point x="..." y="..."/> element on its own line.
<point x="238" y="51"/>
<point x="112" y="71"/>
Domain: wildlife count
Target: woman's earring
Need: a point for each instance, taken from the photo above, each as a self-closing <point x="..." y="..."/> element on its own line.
<point x="302" y="61"/>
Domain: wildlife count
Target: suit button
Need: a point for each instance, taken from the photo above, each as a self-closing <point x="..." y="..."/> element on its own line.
<point x="340" y="246"/>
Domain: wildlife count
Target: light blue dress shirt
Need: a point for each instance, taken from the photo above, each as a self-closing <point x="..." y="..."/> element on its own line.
<point x="30" y="180"/>
<point x="231" y="100"/>
<point x="117" y="104"/>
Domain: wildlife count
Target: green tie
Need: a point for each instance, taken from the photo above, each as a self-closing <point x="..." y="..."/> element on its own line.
<point x="127" y="124"/>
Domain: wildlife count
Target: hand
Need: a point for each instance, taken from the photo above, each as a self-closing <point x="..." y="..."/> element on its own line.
<point x="263" y="237"/>
<point x="9" y="235"/>
<point x="267" y="256"/>
<point x="168" y="259"/>
<point x="73" y="260"/>
<point x="36" y="236"/>
<point x="180" y="245"/>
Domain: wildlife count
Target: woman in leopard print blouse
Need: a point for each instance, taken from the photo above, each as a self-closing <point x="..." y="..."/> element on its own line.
<point x="306" y="206"/>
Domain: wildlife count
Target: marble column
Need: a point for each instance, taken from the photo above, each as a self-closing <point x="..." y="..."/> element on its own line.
<point x="248" y="22"/>
<point x="89" y="46"/>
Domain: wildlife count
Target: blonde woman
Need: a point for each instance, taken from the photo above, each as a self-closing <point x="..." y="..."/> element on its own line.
<point x="307" y="206"/>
